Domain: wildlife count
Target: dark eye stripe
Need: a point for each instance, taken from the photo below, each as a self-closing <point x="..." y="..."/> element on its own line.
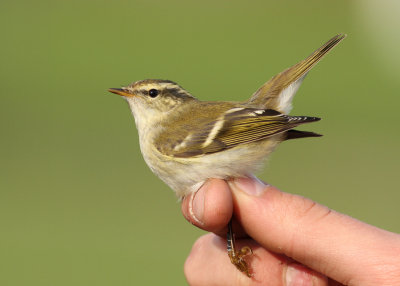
<point x="143" y="91"/>
<point x="178" y="91"/>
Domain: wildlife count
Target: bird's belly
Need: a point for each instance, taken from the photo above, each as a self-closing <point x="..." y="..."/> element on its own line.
<point x="185" y="175"/>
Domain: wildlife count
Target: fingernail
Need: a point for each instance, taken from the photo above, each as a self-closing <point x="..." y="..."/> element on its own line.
<point x="298" y="275"/>
<point x="196" y="205"/>
<point x="251" y="186"/>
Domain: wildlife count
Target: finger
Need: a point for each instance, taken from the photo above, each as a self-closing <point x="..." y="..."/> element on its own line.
<point x="209" y="255"/>
<point x="339" y="246"/>
<point x="210" y="208"/>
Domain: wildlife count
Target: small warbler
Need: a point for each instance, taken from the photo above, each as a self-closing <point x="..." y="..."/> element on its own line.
<point x="186" y="141"/>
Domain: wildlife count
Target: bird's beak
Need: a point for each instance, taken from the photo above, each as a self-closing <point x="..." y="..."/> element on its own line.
<point x="119" y="91"/>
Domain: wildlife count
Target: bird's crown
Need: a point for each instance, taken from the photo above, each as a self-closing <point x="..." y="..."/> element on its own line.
<point x="154" y="88"/>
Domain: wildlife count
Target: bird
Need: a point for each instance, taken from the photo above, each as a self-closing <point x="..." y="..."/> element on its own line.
<point x="186" y="141"/>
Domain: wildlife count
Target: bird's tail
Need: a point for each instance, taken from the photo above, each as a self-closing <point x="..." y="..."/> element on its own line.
<point x="278" y="92"/>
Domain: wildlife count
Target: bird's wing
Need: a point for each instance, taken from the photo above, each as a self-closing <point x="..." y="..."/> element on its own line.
<point x="278" y="92"/>
<point x="237" y="126"/>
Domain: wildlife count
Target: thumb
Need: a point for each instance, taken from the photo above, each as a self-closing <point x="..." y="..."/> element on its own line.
<point x="331" y="243"/>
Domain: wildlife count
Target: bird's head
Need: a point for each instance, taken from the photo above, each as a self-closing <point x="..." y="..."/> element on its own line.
<point x="152" y="99"/>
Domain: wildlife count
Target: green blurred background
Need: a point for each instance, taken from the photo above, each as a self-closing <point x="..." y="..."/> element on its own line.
<point x="78" y="205"/>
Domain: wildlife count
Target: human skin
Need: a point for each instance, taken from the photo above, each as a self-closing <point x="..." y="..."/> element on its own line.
<point x="295" y="241"/>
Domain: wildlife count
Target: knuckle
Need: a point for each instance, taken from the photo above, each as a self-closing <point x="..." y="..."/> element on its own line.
<point x="309" y="211"/>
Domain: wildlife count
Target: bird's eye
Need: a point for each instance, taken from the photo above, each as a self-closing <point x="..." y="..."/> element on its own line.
<point x="153" y="92"/>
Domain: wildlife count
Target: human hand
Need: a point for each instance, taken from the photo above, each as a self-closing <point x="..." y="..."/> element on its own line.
<point x="295" y="240"/>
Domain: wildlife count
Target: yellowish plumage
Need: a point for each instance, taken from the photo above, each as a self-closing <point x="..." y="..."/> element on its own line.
<point x="186" y="141"/>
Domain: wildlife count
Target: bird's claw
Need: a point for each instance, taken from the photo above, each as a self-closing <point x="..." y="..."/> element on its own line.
<point x="237" y="259"/>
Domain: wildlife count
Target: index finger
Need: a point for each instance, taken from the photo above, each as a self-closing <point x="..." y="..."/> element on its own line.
<point x="331" y="243"/>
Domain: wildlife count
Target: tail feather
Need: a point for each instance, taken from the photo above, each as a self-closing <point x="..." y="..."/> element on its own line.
<point x="302" y="119"/>
<point x="278" y="92"/>
<point x="295" y="134"/>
